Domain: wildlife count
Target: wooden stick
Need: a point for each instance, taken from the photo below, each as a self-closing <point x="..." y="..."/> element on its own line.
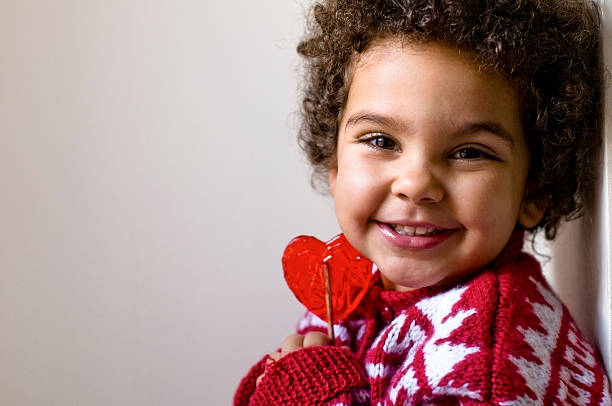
<point x="328" y="301"/>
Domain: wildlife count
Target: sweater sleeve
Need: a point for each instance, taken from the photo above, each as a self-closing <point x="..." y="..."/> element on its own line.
<point x="312" y="375"/>
<point x="248" y="383"/>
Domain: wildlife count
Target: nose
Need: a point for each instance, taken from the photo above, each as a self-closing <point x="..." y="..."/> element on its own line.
<point x="416" y="181"/>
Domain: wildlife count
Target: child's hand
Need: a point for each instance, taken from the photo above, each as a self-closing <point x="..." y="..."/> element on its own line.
<point x="295" y="342"/>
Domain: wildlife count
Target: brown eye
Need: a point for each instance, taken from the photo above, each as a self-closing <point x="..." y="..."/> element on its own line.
<point x="470" y="153"/>
<point x="381" y="142"/>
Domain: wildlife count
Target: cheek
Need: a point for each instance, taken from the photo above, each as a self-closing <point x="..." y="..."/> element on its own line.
<point x="488" y="201"/>
<point x="357" y="191"/>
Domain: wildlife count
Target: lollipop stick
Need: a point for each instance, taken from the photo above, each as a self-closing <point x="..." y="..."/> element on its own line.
<point x="328" y="302"/>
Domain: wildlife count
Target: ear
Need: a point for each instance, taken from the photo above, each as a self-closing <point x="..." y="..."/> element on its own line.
<point x="530" y="212"/>
<point x="332" y="174"/>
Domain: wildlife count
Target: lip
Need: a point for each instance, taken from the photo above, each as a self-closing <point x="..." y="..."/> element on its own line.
<point x="413" y="224"/>
<point x="414" y="242"/>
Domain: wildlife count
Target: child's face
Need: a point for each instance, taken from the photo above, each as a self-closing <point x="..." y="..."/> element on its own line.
<point x="431" y="164"/>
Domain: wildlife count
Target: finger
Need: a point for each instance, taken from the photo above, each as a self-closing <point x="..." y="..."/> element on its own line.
<point x="270" y="359"/>
<point x="273" y="357"/>
<point x="292" y="343"/>
<point x="315" y="338"/>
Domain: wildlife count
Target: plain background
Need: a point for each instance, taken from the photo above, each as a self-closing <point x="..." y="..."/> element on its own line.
<point x="150" y="180"/>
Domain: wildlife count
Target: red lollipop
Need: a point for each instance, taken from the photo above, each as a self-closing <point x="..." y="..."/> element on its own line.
<point x="305" y="261"/>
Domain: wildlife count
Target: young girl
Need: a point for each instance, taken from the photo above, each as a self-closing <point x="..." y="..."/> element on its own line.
<point x="446" y="129"/>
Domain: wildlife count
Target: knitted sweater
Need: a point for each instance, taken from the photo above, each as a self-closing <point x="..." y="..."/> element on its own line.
<point x="500" y="338"/>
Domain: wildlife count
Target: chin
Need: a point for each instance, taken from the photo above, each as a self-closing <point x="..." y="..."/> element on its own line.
<point x="405" y="284"/>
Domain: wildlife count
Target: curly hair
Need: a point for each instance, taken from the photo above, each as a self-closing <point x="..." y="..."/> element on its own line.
<point x="547" y="49"/>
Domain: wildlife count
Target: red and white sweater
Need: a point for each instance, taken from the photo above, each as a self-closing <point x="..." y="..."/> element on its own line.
<point x="501" y="338"/>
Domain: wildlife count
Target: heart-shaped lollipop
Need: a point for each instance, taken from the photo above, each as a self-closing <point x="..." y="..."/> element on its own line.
<point x="305" y="262"/>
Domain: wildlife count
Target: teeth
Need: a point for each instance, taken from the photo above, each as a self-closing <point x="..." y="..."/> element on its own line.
<point x="411" y="231"/>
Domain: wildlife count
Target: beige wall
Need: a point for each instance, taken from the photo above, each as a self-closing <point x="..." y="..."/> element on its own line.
<point x="150" y="181"/>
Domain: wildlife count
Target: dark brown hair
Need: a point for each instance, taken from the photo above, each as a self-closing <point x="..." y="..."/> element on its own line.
<point x="547" y="49"/>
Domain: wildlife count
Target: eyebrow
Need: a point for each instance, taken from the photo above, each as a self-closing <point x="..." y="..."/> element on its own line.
<point x="465" y="129"/>
<point x="381" y="120"/>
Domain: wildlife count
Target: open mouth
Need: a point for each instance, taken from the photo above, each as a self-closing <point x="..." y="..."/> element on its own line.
<point x="415" y="231"/>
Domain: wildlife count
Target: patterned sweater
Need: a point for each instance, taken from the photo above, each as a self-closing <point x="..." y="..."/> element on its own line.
<point x="500" y="338"/>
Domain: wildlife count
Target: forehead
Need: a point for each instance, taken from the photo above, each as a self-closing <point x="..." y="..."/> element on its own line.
<point x="397" y="78"/>
<point x="440" y="60"/>
<point x="390" y="44"/>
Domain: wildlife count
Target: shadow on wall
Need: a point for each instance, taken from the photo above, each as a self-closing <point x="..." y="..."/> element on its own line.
<point x="579" y="271"/>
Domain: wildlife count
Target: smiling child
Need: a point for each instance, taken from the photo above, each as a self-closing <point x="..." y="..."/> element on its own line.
<point x="446" y="130"/>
